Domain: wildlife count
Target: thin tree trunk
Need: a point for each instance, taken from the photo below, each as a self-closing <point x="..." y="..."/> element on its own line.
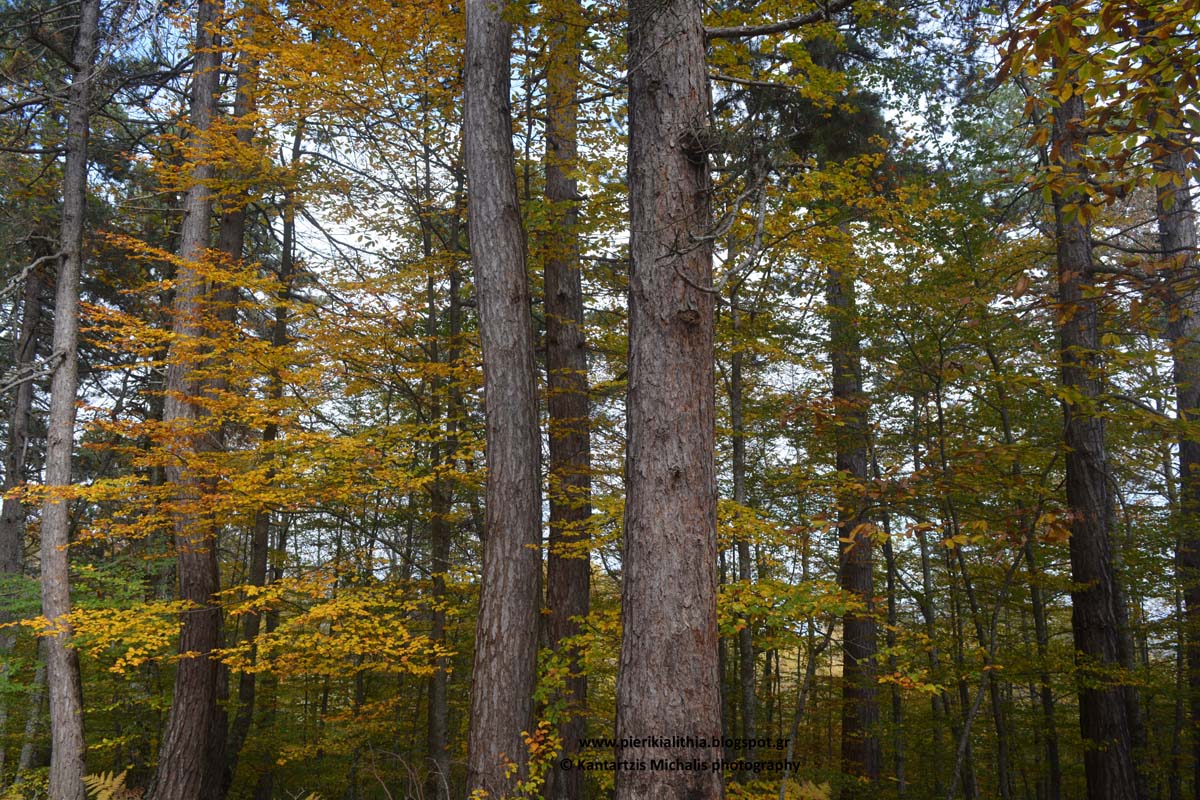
<point x="939" y="703"/>
<point x="1096" y="618"/>
<point x="185" y="752"/>
<point x="964" y="765"/>
<point x="1048" y="733"/>
<point x="62" y="662"/>
<point x="889" y="556"/>
<point x="1041" y="633"/>
<point x="746" y="675"/>
<point x="667" y="680"/>
<point x="261" y="533"/>
<point x="568" y="566"/>
<point x="982" y="637"/>
<point x="861" y="756"/>
<point x="264" y="788"/>
<point x="437" y="779"/>
<point x="510" y="596"/>
<point x="37" y="702"/>
<point x="225" y="740"/>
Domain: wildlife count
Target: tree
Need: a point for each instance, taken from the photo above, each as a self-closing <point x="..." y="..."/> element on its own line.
<point x="1098" y="615"/>
<point x="66" y="695"/>
<point x="568" y="561"/>
<point x="510" y="595"/>
<point x="860" y="709"/>
<point x="668" y="680"/>
<point x="184" y="756"/>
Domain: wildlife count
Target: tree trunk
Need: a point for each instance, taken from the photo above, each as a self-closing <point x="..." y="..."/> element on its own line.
<point x="745" y="569"/>
<point x="437" y="779"/>
<point x="261" y="533"/>
<point x="1051" y="784"/>
<point x="510" y="596"/>
<point x="62" y="662"/>
<point x="568" y="566"/>
<point x="226" y="740"/>
<point x="939" y="701"/>
<point x="668" y="683"/>
<point x="861" y="756"/>
<point x="1177" y="241"/>
<point x="29" y="741"/>
<point x="1095" y="616"/>
<point x="13" y="511"/>
<point x="12" y="516"/>
<point x="264" y="788"/>
<point x="183" y="760"/>
<point x="893" y="619"/>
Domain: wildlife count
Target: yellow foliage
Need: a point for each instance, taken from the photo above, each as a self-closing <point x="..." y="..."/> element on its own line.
<point x="110" y="786"/>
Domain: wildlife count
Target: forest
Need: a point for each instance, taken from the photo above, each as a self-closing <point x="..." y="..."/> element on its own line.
<point x="580" y="399"/>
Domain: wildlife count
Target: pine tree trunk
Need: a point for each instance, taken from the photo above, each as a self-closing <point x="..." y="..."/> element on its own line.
<point x="1095" y="617"/>
<point x="861" y="756"/>
<point x="62" y="662"/>
<point x="12" y="515"/>
<point x="185" y="753"/>
<point x="510" y="596"/>
<point x="13" y="511"/>
<point x="1177" y="241"/>
<point x="568" y="565"/>
<point x="668" y="684"/>
<point x="226" y="740"/>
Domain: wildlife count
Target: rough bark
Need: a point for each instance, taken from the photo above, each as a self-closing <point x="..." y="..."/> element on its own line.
<point x="62" y="663"/>
<point x="1177" y="242"/>
<point x="861" y="755"/>
<point x="13" y="511"/>
<point x="506" y="634"/>
<point x="668" y="682"/>
<point x="12" y="514"/>
<point x="231" y="239"/>
<point x="568" y="568"/>
<point x="226" y="740"/>
<point x="185" y="752"/>
<point x="1095" y="613"/>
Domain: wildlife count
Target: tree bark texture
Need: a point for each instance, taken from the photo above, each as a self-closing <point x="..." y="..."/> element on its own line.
<point x="184" y="755"/>
<point x="12" y="513"/>
<point x="62" y="662"/>
<point x="506" y="633"/>
<point x="668" y="681"/>
<point x="1177" y="241"/>
<point x="861" y="755"/>
<point x="1096" y="615"/>
<point x="568" y="568"/>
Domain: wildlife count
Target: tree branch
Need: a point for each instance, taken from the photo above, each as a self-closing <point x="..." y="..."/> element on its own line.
<point x="746" y="31"/>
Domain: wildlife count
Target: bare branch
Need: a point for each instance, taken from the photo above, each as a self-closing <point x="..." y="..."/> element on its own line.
<point x="18" y="280"/>
<point x="746" y="31"/>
